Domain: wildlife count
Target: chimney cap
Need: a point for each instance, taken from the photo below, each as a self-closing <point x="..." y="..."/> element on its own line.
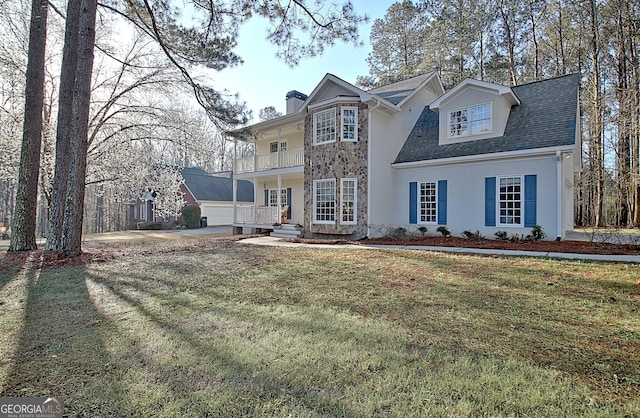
<point x="297" y="95"/>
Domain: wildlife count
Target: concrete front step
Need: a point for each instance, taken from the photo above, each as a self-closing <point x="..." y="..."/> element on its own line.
<point x="286" y="231"/>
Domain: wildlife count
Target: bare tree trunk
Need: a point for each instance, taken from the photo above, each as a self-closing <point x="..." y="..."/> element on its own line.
<point x="70" y="239"/>
<point x="63" y="135"/>
<point x="510" y="42"/>
<point x="23" y="236"/>
<point x="596" y="129"/>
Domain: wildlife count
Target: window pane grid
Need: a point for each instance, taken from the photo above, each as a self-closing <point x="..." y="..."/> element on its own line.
<point x="348" y="195"/>
<point x="325" y="129"/>
<point x="273" y="197"/>
<point x="474" y="120"/>
<point x="349" y="124"/>
<point x="325" y="201"/>
<point x="458" y="123"/>
<point x="428" y="202"/>
<point x="511" y="201"/>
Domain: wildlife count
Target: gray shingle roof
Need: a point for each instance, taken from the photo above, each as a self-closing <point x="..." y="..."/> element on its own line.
<point x="546" y="117"/>
<point x="397" y="92"/>
<point x="216" y="187"/>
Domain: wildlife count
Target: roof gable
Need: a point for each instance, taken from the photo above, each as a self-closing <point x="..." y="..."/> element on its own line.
<point x="331" y="87"/>
<point x="546" y="117"/>
<point x="400" y="92"/>
<point x="504" y="91"/>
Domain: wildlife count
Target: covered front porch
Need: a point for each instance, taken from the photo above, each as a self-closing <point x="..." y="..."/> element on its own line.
<point x="278" y="200"/>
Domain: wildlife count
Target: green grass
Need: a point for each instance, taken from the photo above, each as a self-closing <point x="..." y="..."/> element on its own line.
<point x="206" y="327"/>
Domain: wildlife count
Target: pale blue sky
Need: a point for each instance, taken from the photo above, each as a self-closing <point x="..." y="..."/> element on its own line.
<point x="264" y="80"/>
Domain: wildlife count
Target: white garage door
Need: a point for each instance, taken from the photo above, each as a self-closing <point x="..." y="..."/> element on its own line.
<point x="217" y="214"/>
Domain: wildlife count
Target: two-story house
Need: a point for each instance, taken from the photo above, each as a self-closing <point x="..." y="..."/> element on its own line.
<point x="344" y="162"/>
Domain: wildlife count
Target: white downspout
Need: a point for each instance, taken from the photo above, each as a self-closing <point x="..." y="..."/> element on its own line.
<point x="235" y="182"/>
<point x="559" y="202"/>
<point x="369" y="168"/>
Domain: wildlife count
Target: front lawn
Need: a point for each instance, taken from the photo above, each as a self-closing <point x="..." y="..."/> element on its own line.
<point x="210" y="327"/>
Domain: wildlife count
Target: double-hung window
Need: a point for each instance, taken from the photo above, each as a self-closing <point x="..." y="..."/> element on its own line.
<point x="474" y="120"/>
<point x="324" y="201"/>
<point x="510" y="201"/>
<point x="350" y="124"/>
<point x="324" y="127"/>
<point x="428" y="201"/>
<point x="348" y="210"/>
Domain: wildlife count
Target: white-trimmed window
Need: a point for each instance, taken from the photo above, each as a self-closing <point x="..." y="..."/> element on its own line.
<point x="474" y="120"/>
<point x="143" y="210"/>
<point x="273" y="197"/>
<point x="324" y="127"/>
<point x="324" y="201"/>
<point x="348" y="201"/>
<point x="349" y="124"/>
<point x="273" y="146"/>
<point x="510" y="201"/>
<point x="428" y="202"/>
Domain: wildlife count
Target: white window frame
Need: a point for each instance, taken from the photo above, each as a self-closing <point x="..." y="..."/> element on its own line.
<point x="330" y="214"/>
<point x="143" y="210"/>
<point x="283" y="146"/>
<point x="507" y="201"/>
<point x="344" y="124"/>
<point x="461" y="121"/>
<point x="273" y="197"/>
<point x="353" y="201"/>
<point x="425" y="206"/>
<point x="331" y="135"/>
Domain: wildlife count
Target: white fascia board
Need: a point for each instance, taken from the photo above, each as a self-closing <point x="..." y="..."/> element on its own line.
<point x="334" y="100"/>
<point x="498" y="89"/>
<point x="270" y="124"/>
<point x="536" y="152"/>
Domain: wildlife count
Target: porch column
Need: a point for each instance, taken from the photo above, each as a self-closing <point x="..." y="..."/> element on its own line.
<point x="279" y="195"/>
<point x="254" y="215"/>
<point x="279" y="151"/>
<point x="235" y="198"/>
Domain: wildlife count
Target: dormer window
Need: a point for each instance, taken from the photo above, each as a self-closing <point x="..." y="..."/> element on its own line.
<point x="470" y="121"/>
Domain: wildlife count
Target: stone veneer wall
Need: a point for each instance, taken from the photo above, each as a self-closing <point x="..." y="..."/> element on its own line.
<point x="337" y="160"/>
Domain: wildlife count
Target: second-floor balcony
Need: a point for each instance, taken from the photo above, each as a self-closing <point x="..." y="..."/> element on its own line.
<point x="263" y="162"/>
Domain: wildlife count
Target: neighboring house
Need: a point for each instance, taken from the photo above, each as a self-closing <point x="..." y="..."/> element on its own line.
<point x="212" y="192"/>
<point x="482" y="157"/>
<point x="142" y="209"/>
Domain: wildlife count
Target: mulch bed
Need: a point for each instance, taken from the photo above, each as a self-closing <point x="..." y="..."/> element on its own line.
<point x="579" y="247"/>
<point x="568" y="246"/>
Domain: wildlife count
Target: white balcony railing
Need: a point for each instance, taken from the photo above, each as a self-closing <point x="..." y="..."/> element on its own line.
<point x="283" y="159"/>
<point x="261" y="215"/>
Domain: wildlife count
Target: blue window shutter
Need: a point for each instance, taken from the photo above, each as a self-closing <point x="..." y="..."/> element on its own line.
<point x="289" y="202"/>
<point x="266" y="197"/>
<point x="490" y="201"/>
<point x="530" y="200"/>
<point x="413" y="202"/>
<point x="442" y="202"/>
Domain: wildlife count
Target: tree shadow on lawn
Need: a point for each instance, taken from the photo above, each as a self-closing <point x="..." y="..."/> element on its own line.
<point x="182" y="342"/>
<point x="60" y="351"/>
